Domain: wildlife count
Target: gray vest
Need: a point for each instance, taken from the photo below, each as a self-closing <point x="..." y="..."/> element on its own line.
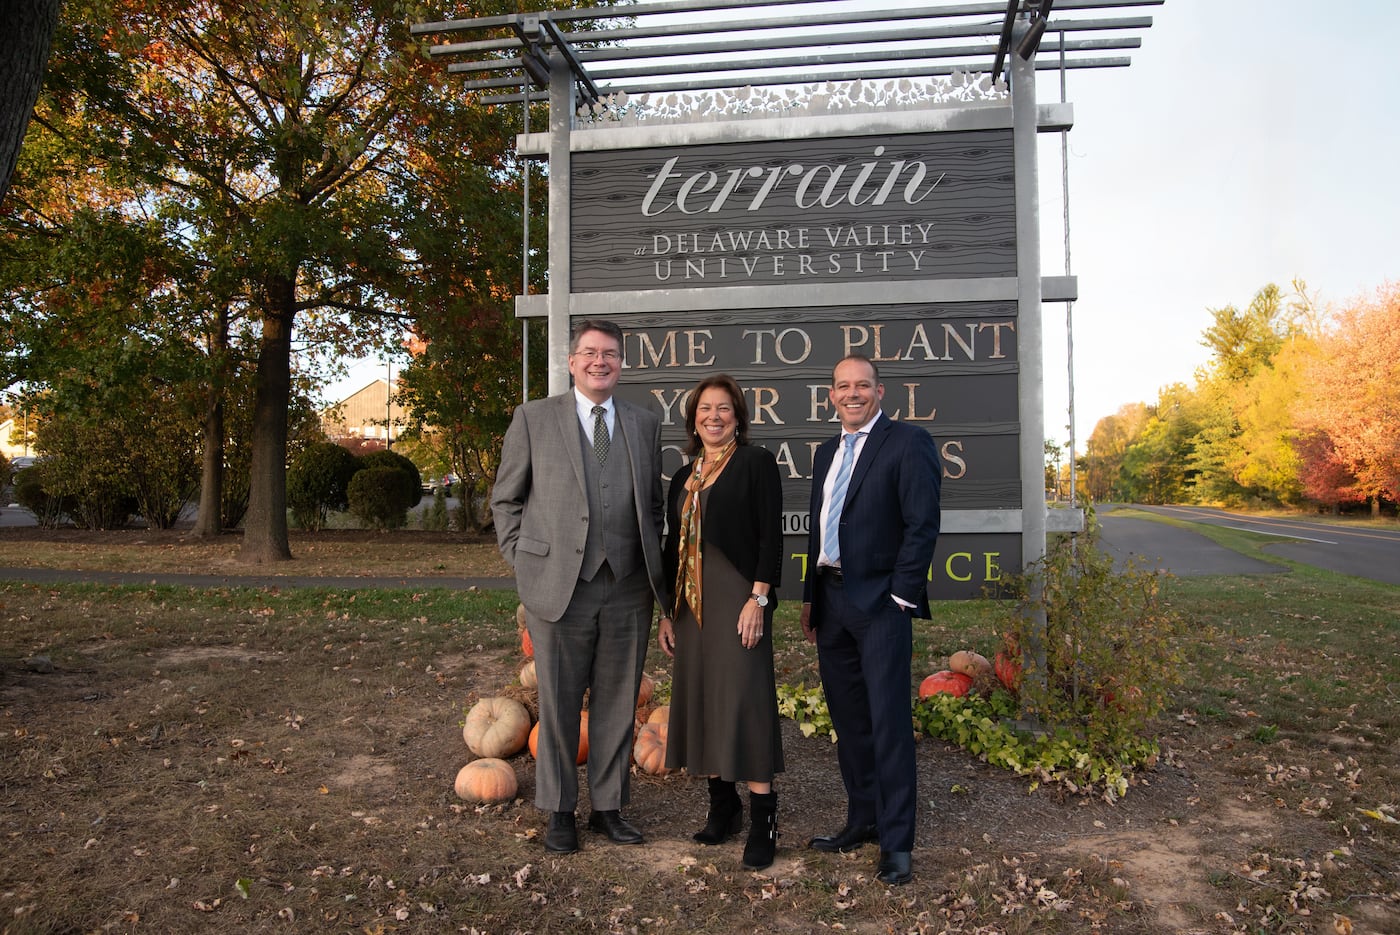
<point x="613" y="536"/>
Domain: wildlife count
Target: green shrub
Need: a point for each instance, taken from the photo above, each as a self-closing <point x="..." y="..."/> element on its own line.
<point x="378" y="498"/>
<point x="317" y="482"/>
<point x="435" y="516"/>
<point x="413" y="480"/>
<point x="1108" y="657"/>
<point x="87" y="464"/>
<point x="32" y="493"/>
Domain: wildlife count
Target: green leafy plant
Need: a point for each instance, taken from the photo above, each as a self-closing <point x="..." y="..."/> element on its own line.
<point x="435" y="516"/>
<point x="412" y="481"/>
<point x="31" y="491"/>
<point x="806" y="706"/>
<point x="317" y="482"/>
<point x="1108" y="656"/>
<point x="982" y="725"/>
<point x="378" y="498"/>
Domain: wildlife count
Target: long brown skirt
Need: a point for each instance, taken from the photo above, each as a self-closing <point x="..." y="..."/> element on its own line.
<point x="724" y="703"/>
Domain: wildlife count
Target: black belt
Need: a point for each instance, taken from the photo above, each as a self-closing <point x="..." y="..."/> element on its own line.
<point x="831" y="574"/>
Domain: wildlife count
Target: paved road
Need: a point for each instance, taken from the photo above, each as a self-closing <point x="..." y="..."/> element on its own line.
<point x="1365" y="552"/>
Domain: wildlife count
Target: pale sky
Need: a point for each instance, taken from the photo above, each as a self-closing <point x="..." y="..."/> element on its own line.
<point x="1249" y="142"/>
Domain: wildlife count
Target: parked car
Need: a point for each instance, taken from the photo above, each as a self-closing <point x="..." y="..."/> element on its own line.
<point x="19" y="464"/>
<point x="445" y="482"/>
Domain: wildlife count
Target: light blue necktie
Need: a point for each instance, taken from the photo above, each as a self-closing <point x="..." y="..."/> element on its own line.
<point x="832" y="547"/>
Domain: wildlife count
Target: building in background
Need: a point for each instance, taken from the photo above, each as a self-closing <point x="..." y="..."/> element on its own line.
<point x="367" y="416"/>
<point x="12" y="441"/>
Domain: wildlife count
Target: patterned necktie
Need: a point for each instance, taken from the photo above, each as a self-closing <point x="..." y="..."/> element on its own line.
<point x="601" y="442"/>
<point x="832" y="546"/>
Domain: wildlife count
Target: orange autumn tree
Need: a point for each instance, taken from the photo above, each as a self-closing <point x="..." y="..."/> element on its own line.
<point x="1350" y="420"/>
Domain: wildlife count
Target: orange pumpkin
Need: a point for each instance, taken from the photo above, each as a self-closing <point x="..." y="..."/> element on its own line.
<point x="650" y="749"/>
<point x="645" y="690"/>
<point x="486" y="780"/>
<point x="660" y="715"/>
<point x="496" y="727"/>
<point x="1008" y="668"/>
<point x="526" y="647"/>
<point x="946" y="682"/>
<point x="582" y="739"/>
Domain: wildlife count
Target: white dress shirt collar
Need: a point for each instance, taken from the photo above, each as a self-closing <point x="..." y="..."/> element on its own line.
<point x="584" y="406"/>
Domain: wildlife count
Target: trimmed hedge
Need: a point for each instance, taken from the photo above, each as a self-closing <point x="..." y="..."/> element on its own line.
<point x="379" y="497"/>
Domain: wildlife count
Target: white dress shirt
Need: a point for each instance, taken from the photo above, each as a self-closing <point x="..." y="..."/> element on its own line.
<point x="828" y="521"/>
<point x="584" y="405"/>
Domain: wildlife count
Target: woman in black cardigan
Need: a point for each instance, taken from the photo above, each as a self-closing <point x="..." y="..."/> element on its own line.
<point x="723" y="553"/>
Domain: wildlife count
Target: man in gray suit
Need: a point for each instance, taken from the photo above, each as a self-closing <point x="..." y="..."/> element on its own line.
<point x="579" y="511"/>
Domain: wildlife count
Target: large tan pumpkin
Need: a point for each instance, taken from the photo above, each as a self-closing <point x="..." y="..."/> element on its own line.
<point x="486" y="780"/>
<point x="970" y="663"/>
<point x="496" y="727"/>
<point x="650" y="749"/>
<point x="528" y="678"/>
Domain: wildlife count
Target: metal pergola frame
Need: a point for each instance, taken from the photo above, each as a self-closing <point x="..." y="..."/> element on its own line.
<point x="736" y="51"/>
<point x="1000" y="39"/>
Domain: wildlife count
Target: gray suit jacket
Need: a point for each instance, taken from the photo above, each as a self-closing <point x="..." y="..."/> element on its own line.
<point x="540" y="502"/>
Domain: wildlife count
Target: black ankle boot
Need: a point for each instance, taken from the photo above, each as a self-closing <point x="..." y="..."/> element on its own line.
<point x="763" y="830"/>
<point x="726" y="813"/>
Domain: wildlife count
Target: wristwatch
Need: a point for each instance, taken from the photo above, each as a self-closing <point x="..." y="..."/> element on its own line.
<point x="760" y="599"/>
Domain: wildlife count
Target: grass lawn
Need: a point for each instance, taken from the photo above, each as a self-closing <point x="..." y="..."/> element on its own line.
<point x="279" y="759"/>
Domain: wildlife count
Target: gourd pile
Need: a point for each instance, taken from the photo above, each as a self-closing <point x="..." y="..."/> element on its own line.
<point x="499" y="727"/>
<point x="970" y="671"/>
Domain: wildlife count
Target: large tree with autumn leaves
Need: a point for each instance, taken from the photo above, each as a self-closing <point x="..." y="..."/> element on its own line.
<point x="288" y="151"/>
<point x="1350" y="418"/>
<point x="1299" y="404"/>
<point x="26" y="30"/>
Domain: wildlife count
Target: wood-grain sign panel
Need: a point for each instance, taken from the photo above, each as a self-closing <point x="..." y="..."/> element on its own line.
<point x="917" y="206"/>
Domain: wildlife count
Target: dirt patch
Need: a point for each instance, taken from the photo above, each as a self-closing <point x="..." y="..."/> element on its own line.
<point x="193" y="763"/>
<point x="364" y="771"/>
<point x="189" y="655"/>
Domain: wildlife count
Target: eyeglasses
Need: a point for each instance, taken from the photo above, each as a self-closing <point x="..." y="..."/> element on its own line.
<point x="591" y="354"/>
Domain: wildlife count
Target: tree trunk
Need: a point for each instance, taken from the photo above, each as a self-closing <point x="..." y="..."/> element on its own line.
<point x="210" y="521"/>
<point x="265" y="528"/>
<point x="26" y="32"/>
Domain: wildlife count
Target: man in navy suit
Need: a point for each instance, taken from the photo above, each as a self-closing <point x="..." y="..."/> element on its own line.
<point x="874" y="523"/>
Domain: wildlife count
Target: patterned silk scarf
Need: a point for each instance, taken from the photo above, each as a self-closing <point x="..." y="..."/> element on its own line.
<point x="688" y="571"/>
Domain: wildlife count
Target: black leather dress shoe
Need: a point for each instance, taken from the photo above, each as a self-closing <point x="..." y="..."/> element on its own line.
<point x="895" y="869"/>
<point x="612" y="824"/>
<point x="847" y="839"/>
<point x="562" y="836"/>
